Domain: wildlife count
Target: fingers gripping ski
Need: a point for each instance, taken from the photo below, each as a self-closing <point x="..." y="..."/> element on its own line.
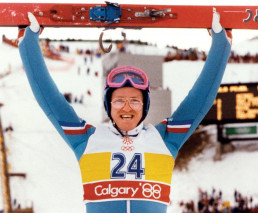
<point x="34" y="26"/>
<point x="217" y="28"/>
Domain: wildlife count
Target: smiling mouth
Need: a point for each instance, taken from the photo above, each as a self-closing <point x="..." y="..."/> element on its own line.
<point x="126" y="117"/>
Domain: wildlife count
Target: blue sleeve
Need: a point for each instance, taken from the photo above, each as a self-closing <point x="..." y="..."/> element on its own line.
<point x="73" y="130"/>
<point x="176" y="129"/>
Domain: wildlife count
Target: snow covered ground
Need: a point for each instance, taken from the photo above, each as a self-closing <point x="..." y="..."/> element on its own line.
<point x="53" y="177"/>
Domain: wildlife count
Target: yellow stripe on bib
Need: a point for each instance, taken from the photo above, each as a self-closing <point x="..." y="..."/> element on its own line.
<point x="95" y="166"/>
<point x="159" y="167"/>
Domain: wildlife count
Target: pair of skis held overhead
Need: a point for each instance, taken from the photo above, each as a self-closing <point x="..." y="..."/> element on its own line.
<point x="113" y="15"/>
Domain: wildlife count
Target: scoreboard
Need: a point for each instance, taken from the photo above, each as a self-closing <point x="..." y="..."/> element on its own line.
<point x="234" y="103"/>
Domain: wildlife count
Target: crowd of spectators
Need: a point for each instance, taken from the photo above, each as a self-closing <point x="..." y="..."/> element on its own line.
<point x="193" y="54"/>
<point x="84" y="52"/>
<point x="246" y="58"/>
<point x="64" y="48"/>
<point x="214" y="203"/>
<point x="70" y="98"/>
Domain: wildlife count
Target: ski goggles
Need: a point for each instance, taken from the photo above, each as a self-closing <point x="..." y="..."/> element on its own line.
<point x="120" y="75"/>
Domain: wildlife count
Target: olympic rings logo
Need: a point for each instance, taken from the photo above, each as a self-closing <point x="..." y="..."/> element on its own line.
<point x="151" y="191"/>
<point x="128" y="148"/>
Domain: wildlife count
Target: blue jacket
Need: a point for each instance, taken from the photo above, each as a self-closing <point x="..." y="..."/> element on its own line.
<point x="174" y="130"/>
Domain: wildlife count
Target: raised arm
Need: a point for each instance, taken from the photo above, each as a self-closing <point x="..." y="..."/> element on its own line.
<point x="177" y="128"/>
<point x="74" y="130"/>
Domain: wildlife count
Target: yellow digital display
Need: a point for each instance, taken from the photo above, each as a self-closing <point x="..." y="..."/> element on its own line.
<point x="234" y="103"/>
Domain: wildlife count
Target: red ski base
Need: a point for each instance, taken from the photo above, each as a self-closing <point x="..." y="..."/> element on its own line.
<point x="132" y="16"/>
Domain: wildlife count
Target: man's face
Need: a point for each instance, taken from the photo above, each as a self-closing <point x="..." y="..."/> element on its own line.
<point x="128" y="115"/>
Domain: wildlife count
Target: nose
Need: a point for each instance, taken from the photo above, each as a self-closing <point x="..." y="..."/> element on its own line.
<point x="127" y="106"/>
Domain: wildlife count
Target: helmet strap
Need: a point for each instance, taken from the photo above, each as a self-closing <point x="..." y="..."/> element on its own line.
<point x="117" y="128"/>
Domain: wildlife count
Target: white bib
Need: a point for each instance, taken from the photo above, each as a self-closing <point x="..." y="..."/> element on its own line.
<point x="126" y="168"/>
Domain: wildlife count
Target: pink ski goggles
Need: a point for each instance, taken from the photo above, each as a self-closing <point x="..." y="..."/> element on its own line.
<point x="120" y="75"/>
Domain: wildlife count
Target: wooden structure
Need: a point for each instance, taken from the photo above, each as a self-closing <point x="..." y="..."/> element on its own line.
<point x="5" y="176"/>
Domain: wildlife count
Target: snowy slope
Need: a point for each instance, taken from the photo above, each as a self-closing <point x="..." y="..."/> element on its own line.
<point x="53" y="179"/>
<point x="35" y="148"/>
<point x="249" y="46"/>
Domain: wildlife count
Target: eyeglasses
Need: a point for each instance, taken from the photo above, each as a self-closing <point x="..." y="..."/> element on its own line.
<point x="120" y="75"/>
<point x="134" y="103"/>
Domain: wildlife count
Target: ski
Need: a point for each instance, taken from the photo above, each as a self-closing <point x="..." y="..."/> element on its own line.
<point x="112" y="15"/>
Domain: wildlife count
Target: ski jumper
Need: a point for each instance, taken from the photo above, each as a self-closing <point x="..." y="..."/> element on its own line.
<point x="130" y="174"/>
